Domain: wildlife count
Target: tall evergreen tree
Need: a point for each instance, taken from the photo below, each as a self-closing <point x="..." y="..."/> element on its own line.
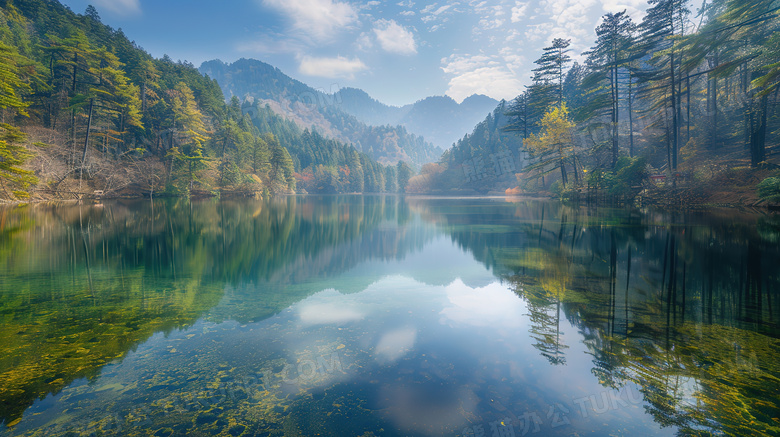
<point x="607" y="58"/>
<point x="403" y="174"/>
<point x="552" y="68"/>
<point x="662" y="24"/>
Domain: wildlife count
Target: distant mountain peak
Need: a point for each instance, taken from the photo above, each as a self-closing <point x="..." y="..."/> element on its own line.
<point x="324" y="112"/>
<point x="478" y="98"/>
<point x="439" y="119"/>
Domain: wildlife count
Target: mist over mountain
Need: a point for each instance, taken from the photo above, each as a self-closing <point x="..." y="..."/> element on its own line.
<point x="320" y="111"/>
<point x="440" y="120"/>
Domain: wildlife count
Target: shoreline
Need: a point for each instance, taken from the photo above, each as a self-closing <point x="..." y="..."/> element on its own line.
<point x="656" y="202"/>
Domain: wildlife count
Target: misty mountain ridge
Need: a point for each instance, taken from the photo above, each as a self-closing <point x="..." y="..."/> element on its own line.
<point x="440" y="120"/>
<point x="249" y="79"/>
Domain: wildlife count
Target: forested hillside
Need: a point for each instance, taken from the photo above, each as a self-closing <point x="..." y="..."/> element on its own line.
<point x="86" y="112"/>
<point x="324" y="165"/>
<point x="317" y="110"/>
<point x="689" y="98"/>
<point x="483" y="161"/>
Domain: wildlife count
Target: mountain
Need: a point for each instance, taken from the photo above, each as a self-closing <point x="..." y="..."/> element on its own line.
<point x="439" y="119"/>
<point x="443" y="121"/>
<point x="365" y="108"/>
<point x="316" y="110"/>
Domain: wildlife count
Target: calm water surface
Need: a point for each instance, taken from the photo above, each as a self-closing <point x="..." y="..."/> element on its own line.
<point x="383" y="316"/>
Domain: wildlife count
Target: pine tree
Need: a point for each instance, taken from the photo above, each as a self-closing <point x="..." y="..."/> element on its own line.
<point x="13" y="155"/>
<point x="403" y="174"/>
<point x="189" y="132"/>
<point x="12" y="87"/>
<point x="662" y="24"/>
<point x="356" y="179"/>
<point x="607" y="58"/>
<point x="552" y="68"/>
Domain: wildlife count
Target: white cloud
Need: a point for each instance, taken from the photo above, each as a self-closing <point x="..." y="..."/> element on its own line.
<point x="538" y="32"/>
<point x="441" y="9"/>
<point x="318" y="18"/>
<point x="119" y="7"/>
<point x="428" y="9"/>
<point x="395" y="344"/>
<point x="394" y="38"/>
<point x="327" y="313"/>
<point x="364" y="42"/>
<point x="487" y="24"/>
<point x="634" y="8"/>
<point x="331" y="67"/>
<point x="479" y="6"/>
<point x="433" y="13"/>
<point x="515" y="62"/>
<point x="492" y="306"/>
<point x="570" y="19"/>
<point x="518" y="11"/>
<point x="480" y="74"/>
<point x="408" y="13"/>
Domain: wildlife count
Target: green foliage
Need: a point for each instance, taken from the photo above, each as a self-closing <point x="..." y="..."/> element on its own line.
<point x="186" y="169"/>
<point x="628" y="176"/>
<point x="550" y="74"/>
<point x="229" y="174"/>
<point x="403" y="173"/>
<point x="12" y="87"/>
<point x="624" y="181"/>
<point x="326" y="180"/>
<point x="557" y="189"/>
<point x="76" y="75"/>
<point x="12" y="156"/>
<point x="355" y="171"/>
<point x="492" y="139"/>
<point x="769" y="189"/>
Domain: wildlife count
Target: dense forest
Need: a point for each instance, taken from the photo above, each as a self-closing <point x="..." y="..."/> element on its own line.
<point x="682" y="105"/>
<point x="327" y="166"/>
<point x="86" y="112"/>
<point x="686" y="100"/>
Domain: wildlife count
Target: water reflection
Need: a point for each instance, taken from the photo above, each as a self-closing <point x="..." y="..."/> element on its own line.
<point x="382" y="316"/>
<point x="682" y="305"/>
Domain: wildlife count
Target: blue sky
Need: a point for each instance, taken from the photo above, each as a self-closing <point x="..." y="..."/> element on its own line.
<point x="399" y="51"/>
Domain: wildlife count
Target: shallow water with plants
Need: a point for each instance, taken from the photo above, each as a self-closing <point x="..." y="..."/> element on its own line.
<point x="369" y="316"/>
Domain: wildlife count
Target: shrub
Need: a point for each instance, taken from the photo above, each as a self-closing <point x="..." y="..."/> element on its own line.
<point x="628" y="173"/>
<point x="769" y="189"/>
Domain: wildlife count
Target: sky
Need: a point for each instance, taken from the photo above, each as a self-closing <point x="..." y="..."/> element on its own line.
<point x="399" y="51"/>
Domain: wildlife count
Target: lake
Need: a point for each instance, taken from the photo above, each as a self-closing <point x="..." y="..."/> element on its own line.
<point x="391" y="316"/>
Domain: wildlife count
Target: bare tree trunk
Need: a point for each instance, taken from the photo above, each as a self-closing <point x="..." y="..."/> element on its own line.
<point x="758" y="132"/>
<point x="675" y="127"/>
